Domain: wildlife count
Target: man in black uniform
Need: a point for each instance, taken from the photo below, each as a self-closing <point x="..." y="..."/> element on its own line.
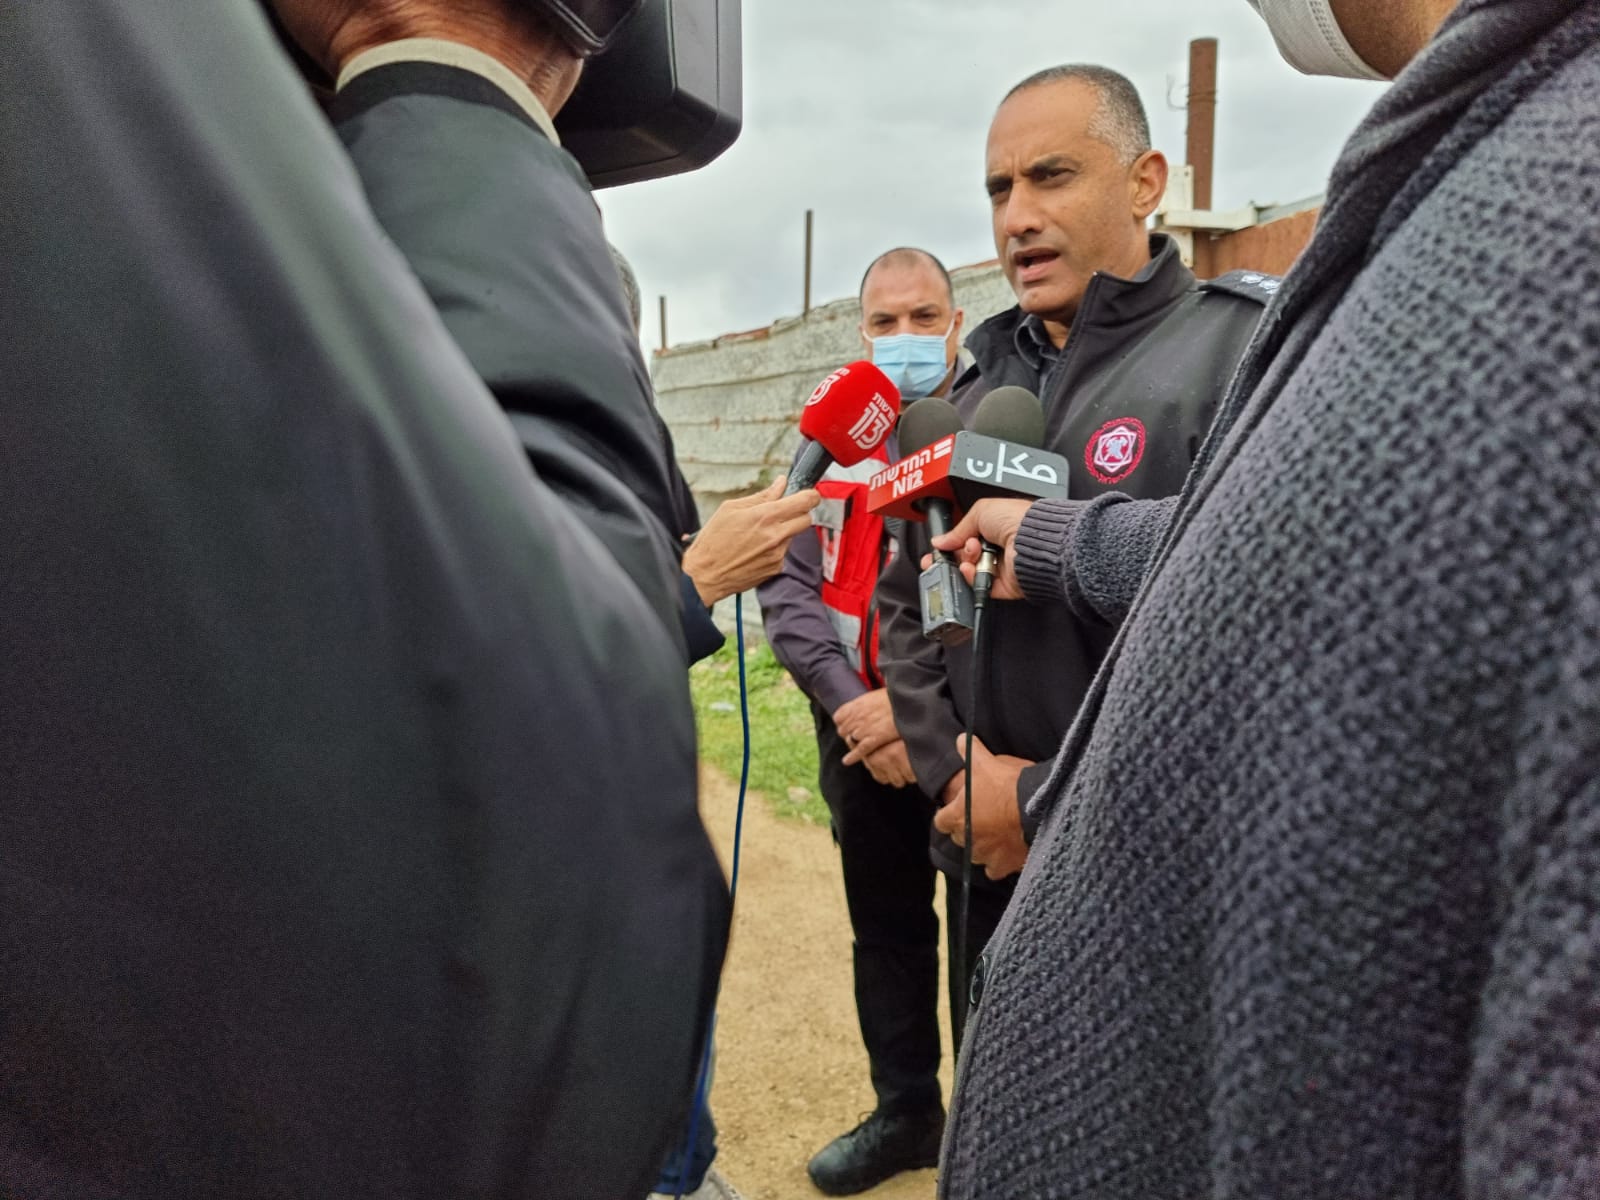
<point x="1129" y="355"/>
<point x="324" y="871"/>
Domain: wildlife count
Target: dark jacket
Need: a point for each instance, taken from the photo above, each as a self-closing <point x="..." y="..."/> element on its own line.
<point x="1315" y="908"/>
<point x="701" y="636"/>
<point x="1151" y="356"/>
<point x="542" y="319"/>
<point x="348" y="837"/>
<point x="500" y="226"/>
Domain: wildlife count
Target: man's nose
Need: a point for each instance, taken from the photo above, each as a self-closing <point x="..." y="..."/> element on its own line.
<point x="1021" y="215"/>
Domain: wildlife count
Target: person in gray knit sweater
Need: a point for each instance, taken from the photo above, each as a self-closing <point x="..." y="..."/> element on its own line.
<point x="1314" y="910"/>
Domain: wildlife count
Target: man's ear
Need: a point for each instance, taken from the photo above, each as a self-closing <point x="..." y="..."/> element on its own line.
<point x="1147" y="183"/>
<point x="955" y="330"/>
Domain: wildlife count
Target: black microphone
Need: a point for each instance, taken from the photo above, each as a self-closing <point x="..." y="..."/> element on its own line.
<point x="1007" y="414"/>
<point x="1011" y="414"/>
<point x="947" y="602"/>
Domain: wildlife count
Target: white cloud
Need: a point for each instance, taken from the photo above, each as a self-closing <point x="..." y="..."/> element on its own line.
<point x="873" y="113"/>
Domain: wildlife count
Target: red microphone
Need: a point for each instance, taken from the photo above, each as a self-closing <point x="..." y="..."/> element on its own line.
<point x="847" y="418"/>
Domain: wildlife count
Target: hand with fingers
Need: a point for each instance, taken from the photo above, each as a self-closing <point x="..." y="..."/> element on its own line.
<point x="744" y="542"/>
<point x="997" y="841"/>
<point x="866" y="724"/>
<point x="995" y="521"/>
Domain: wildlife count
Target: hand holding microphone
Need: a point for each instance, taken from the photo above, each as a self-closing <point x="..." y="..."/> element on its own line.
<point x="847" y="418"/>
<point x="983" y="540"/>
<point x="994" y="522"/>
<point x="744" y="541"/>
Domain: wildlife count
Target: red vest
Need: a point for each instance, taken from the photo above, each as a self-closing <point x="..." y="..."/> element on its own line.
<point x="853" y="556"/>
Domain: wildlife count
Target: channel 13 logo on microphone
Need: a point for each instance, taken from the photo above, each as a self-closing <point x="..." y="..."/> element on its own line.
<point x="874" y="424"/>
<point x="826" y="386"/>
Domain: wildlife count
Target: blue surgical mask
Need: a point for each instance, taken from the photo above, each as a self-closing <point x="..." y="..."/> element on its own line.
<point x="914" y="362"/>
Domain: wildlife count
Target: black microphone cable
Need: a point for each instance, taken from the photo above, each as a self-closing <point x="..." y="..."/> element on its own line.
<point x="1015" y="415"/>
<point x="982" y="584"/>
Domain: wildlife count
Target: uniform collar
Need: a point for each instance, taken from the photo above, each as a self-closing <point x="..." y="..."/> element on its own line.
<point x="464" y="58"/>
<point x="1109" y="302"/>
<point x="1033" y="342"/>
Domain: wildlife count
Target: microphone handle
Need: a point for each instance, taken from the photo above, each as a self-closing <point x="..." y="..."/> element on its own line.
<point x="940" y="522"/>
<point x="811" y="462"/>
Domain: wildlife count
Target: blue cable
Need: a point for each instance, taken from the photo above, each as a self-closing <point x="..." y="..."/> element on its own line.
<point x="744" y="767"/>
<point x="703" y="1083"/>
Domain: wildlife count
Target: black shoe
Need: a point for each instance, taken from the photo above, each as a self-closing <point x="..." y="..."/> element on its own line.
<point x="881" y="1146"/>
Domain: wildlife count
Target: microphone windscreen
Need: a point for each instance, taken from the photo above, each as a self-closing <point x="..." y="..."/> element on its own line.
<point x="925" y="422"/>
<point x="851" y="412"/>
<point x="1010" y="414"/>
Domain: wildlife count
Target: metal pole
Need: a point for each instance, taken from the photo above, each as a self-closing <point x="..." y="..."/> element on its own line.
<point x="807" y="308"/>
<point x="1202" y="138"/>
<point x="663" y="322"/>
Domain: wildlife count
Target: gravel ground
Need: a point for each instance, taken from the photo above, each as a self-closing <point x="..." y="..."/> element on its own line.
<point x="791" y="1073"/>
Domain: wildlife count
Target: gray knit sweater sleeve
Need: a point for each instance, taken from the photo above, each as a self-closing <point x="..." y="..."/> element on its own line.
<point x="1532" y="1104"/>
<point x="1091" y="554"/>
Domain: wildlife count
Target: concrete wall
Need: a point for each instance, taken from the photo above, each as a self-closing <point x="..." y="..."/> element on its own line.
<point x="732" y="403"/>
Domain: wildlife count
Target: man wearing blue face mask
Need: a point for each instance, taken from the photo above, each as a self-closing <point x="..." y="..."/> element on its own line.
<point x="821" y="618"/>
<point x="909" y="322"/>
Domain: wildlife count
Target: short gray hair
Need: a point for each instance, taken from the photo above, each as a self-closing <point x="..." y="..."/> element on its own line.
<point x="630" y="286"/>
<point x="1120" y="123"/>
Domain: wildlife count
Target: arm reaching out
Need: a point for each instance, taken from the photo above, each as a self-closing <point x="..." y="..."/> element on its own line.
<point x="744" y="542"/>
<point x="1091" y="555"/>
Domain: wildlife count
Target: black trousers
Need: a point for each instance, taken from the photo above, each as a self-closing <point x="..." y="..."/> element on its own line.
<point x="882" y="834"/>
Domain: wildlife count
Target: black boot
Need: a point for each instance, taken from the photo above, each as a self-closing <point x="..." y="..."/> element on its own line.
<point x="883" y="1145"/>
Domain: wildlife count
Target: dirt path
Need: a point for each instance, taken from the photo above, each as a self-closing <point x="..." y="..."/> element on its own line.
<point x="791" y="1073"/>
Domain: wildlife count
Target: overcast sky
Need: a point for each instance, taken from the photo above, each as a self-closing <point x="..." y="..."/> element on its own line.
<point x="873" y="113"/>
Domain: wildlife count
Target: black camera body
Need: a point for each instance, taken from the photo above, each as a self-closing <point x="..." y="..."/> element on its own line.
<point x="661" y="91"/>
<point x="663" y="98"/>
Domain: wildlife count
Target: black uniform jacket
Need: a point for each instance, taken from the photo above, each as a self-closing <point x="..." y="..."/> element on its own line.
<point x="1144" y="369"/>
<point x="348" y="841"/>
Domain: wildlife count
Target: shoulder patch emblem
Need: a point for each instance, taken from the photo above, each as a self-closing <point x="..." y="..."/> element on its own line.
<point x="1247" y="285"/>
<point x="1115" y="450"/>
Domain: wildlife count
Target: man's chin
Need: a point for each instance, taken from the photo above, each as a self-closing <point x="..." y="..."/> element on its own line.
<point x="1046" y="303"/>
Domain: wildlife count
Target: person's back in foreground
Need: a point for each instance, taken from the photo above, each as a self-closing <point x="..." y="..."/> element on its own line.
<point x="1315" y="908"/>
<point x="322" y="872"/>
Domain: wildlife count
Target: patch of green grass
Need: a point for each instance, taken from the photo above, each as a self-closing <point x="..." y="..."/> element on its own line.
<point x="783" y="740"/>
